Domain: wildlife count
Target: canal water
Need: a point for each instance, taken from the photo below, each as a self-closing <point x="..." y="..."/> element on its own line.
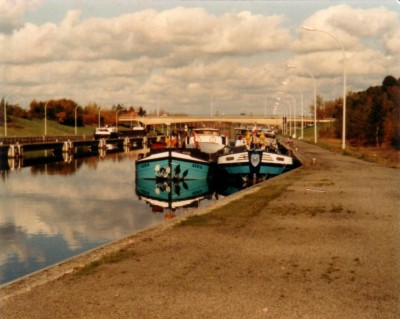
<point x="51" y="212"/>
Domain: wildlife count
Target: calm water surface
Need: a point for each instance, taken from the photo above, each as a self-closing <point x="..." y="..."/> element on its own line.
<point x="51" y="212"/>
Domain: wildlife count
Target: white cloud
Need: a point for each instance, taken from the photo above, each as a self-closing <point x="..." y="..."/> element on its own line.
<point x="11" y="12"/>
<point x="184" y="55"/>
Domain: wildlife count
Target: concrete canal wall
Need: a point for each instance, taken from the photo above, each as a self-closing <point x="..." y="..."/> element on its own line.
<point x="17" y="147"/>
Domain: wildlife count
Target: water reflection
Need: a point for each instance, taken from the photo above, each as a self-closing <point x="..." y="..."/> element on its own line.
<point x="59" y="208"/>
<point x="52" y="211"/>
<point x="168" y="196"/>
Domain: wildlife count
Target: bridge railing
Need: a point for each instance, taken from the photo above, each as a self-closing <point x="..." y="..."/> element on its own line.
<point x="41" y="139"/>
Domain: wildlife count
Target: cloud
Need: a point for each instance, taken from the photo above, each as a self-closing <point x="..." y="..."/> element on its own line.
<point x="168" y="35"/>
<point x="356" y="28"/>
<point x="370" y="40"/>
<point x="11" y="12"/>
<point x="183" y="55"/>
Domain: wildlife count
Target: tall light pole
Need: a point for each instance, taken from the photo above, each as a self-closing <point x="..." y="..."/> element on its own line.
<point x="344" y="79"/>
<point x="265" y="107"/>
<point x="289" y="112"/>
<point x="116" y="117"/>
<point x="284" y="128"/>
<point x="45" y="118"/>
<point x="294" y="111"/>
<point x="302" y="107"/>
<point x="158" y="106"/>
<point x="99" y="114"/>
<point x="292" y="114"/>
<point x="211" y="106"/>
<point x="5" y="111"/>
<point x="5" y="116"/>
<point x="315" y="100"/>
<point x="76" y="120"/>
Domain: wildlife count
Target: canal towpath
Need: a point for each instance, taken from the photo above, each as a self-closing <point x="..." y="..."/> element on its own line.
<point x="321" y="241"/>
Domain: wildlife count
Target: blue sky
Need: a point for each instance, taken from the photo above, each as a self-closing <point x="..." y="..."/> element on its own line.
<point x="179" y="54"/>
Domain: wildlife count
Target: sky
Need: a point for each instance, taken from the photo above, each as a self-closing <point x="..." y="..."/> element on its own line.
<point x="195" y="57"/>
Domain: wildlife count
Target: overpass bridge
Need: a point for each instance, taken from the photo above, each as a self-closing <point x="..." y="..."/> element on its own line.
<point x="198" y="120"/>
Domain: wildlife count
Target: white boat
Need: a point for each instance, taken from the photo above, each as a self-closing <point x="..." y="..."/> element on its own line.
<point x="136" y="129"/>
<point x="207" y="140"/>
<point x="106" y="132"/>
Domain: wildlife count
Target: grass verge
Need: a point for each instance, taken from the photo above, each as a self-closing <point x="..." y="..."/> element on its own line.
<point x="237" y="213"/>
<point x="35" y="127"/>
<point x="111" y="258"/>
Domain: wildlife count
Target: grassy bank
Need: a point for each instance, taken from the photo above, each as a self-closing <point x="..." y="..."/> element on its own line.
<point x="35" y="127"/>
<point x="388" y="157"/>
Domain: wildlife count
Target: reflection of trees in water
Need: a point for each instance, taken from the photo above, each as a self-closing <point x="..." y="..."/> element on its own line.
<point x="58" y="168"/>
<point x="91" y="162"/>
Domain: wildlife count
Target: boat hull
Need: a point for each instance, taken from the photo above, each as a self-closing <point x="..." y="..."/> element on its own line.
<point x="255" y="162"/>
<point x="172" y="165"/>
<point x="172" y="194"/>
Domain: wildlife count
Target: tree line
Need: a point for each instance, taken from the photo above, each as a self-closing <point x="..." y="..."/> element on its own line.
<point x="372" y="115"/>
<point x="63" y="111"/>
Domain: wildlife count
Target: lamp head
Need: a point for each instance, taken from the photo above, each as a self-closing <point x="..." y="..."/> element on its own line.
<point x="306" y="28"/>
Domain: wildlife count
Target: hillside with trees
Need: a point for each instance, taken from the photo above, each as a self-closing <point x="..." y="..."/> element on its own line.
<point x="63" y="111"/>
<point x="372" y="116"/>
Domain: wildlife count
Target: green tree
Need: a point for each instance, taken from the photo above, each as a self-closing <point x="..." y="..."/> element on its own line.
<point x="376" y="118"/>
<point x="141" y="112"/>
<point x="357" y="117"/>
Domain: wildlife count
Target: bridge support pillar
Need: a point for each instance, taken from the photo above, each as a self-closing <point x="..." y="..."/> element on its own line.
<point x="144" y="142"/>
<point x="15" y="151"/>
<point x="68" y="147"/>
<point x="127" y="142"/>
<point x="102" y="143"/>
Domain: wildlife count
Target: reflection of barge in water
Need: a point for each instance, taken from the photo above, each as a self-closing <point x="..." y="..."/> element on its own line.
<point x="169" y="195"/>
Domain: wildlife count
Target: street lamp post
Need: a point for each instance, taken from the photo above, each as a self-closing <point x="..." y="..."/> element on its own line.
<point x="294" y="124"/>
<point x="76" y="120"/>
<point x="292" y="114"/>
<point x="344" y="79"/>
<point x="45" y="118"/>
<point x="290" y="117"/>
<point x="315" y="100"/>
<point x="5" y="117"/>
<point x="5" y="112"/>
<point x="302" y="108"/>
<point x="116" y="117"/>
<point x="99" y="114"/>
<point x="276" y="105"/>
<point x="289" y="113"/>
<point x="211" y="106"/>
